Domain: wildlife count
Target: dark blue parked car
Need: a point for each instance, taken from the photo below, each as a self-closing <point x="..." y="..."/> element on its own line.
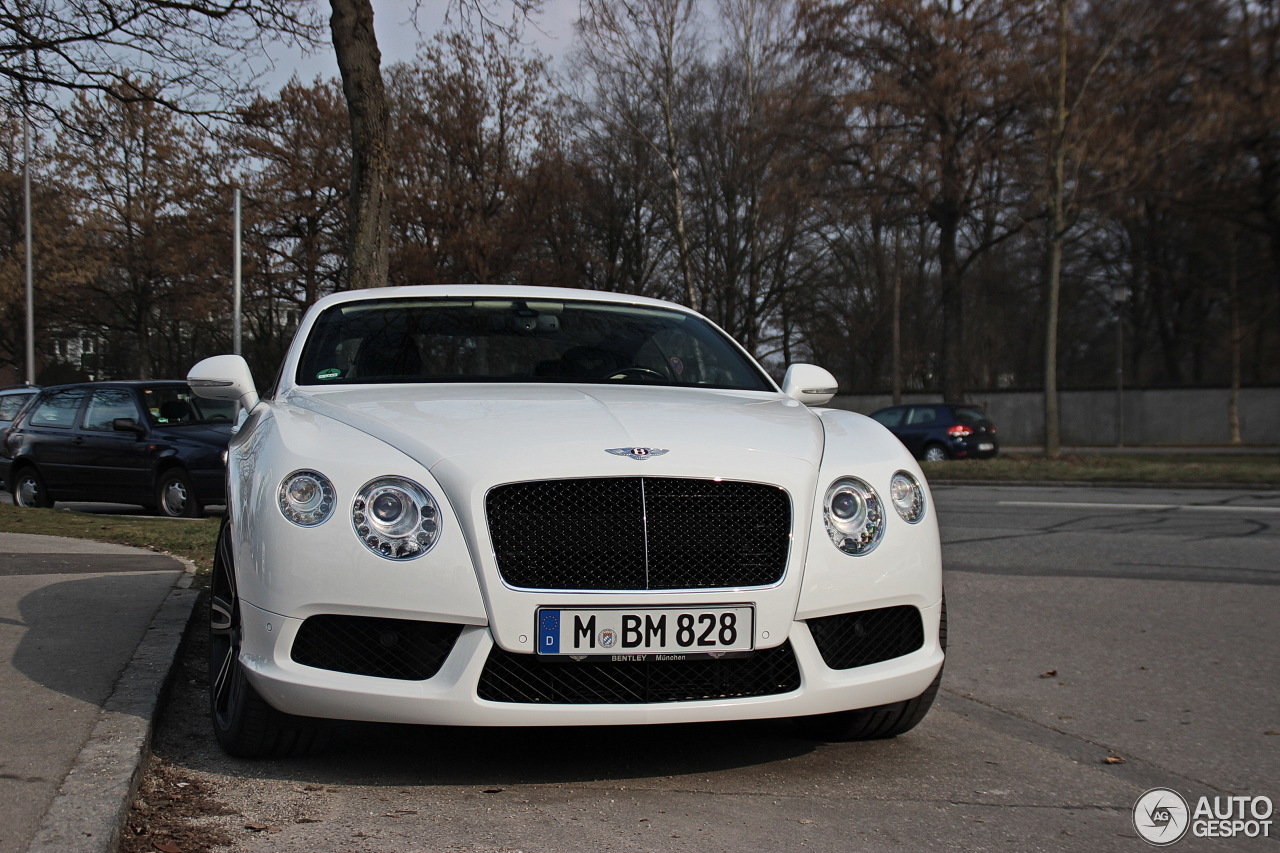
<point x="937" y="431"/>
<point x="11" y="402"/>
<point x="149" y="443"/>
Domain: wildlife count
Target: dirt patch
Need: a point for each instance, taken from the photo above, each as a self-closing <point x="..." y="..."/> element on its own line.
<point x="168" y="814"/>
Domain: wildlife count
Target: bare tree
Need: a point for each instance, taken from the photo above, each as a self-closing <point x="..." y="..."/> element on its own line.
<point x="469" y="117"/>
<point x="143" y="181"/>
<point x="939" y="72"/>
<point x="1069" y="139"/>
<point x="641" y="53"/>
<point x="198" y="54"/>
<point x="295" y="168"/>
<point x="355" y="45"/>
<point x="62" y="259"/>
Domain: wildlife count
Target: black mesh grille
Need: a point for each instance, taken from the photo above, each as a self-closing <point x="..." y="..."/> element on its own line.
<point x="511" y="677"/>
<point x="386" y="648"/>
<point x="869" y="636"/>
<point x="639" y="533"/>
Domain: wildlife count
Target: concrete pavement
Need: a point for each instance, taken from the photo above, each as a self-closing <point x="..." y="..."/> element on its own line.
<point x="88" y="633"/>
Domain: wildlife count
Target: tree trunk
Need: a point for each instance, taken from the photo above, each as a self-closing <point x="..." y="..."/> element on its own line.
<point x="1233" y="281"/>
<point x="356" y="46"/>
<point x="1057" y="228"/>
<point x="952" y="307"/>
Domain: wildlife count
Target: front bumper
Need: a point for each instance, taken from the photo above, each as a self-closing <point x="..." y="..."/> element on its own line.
<point x="452" y="695"/>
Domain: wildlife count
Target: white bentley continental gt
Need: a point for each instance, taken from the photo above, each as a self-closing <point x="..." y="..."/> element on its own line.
<point x="518" y="506"/>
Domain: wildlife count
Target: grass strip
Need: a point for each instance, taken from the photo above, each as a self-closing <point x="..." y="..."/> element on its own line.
<point x="189" y="538"/>
<point x="1184" y="469"/>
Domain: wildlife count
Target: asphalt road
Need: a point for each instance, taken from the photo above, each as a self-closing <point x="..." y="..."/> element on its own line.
<point x="1084" y="624"/>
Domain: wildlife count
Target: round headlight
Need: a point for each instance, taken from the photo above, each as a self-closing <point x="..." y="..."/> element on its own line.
<point x="395" y="518"/>
<point x="853" y="516"/>
<point x="306" y="498"/>
<point x="907" y="497"/>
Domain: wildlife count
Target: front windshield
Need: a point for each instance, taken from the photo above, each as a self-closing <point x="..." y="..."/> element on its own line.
<point x="518" y="340"/>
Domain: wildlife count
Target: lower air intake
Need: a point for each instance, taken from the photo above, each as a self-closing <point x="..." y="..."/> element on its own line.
<point x="531" y="679"/>
<point x="384" y="648"/>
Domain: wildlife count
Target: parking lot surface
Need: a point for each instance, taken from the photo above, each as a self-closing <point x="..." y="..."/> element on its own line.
<point x="1103" y="642"/>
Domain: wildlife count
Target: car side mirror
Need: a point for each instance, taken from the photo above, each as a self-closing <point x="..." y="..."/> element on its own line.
<point x="224" y="377"/>
<point x="810" y="384"/>
<point x="128" y="425"/>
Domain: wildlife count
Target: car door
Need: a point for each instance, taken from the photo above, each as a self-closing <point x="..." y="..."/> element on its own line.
<point x="918" y="427"/>
<point x="116" y="464"/>
<point x="51" y="441"/>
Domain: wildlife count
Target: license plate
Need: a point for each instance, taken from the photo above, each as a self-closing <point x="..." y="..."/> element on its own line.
<point x="681" y="632"/>
<point x="986" y="446"/>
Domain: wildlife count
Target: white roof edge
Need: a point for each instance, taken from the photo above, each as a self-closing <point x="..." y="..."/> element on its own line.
<point x="515" y="291"/>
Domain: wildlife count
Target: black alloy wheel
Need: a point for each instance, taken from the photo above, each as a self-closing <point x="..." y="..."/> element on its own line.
<point x="243" y="723"/>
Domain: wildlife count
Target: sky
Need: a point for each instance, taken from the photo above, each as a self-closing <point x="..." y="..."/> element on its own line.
<point x="398" y="38"/>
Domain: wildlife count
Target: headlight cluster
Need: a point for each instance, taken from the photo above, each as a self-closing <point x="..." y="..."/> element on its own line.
<point x="394" y="517"/>
<point x="854" y="515"/>
<point x="907" y="497"/>
<point x="306" y="498"/>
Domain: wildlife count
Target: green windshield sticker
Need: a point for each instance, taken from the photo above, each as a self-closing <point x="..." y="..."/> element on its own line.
<point x="329" y="373"/>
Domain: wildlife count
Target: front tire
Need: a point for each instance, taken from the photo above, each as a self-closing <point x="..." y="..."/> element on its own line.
<point x="29" y="489"/>
<point x="176" y="496"/>
<point x="243" y="723"/>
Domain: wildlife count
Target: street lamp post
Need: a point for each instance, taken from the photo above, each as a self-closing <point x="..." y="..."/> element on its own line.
<point x="1119" y="295"/>
<point x="237" y="286"/>
<point x="29" y="286"/>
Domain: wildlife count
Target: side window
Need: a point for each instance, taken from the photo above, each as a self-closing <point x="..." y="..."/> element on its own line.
<point x="58" y="410"/>
<point x="11" y="404"/>
<point x="922" y="415"/>
<point x="108" y="404"/>
<point x="890" y="418"/>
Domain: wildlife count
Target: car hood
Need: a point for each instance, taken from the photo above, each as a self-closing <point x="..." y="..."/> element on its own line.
<point x="568" y="430"/>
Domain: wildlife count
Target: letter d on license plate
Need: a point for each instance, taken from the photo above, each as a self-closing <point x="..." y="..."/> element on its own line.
<point x="646" y="630"/>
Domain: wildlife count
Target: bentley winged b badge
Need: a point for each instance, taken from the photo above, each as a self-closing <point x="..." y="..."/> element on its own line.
<point x="640" y="453"/>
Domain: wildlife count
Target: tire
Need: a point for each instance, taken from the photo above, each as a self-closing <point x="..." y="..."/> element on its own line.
<point x="882" y="721"/>
<point x="176" y="496"/>
<point x="29" y="489"/>
<point x="935" y="453"/>
<point x="244" y="725"/>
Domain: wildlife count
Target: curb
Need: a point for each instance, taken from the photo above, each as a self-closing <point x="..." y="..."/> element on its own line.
<point x="90" y="808"/>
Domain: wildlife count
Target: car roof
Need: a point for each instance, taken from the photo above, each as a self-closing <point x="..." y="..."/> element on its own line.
<point x="117" y="383"/>
<point x="500" y="291"/>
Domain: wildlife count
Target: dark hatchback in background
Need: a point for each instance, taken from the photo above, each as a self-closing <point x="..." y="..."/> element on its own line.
<point x="11" y="402"/>
<point x="937" y="431"/>
<point x="149" y="443"/>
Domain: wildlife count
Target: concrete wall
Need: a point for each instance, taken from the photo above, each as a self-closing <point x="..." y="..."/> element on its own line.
<point x="1185" y="417"/>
